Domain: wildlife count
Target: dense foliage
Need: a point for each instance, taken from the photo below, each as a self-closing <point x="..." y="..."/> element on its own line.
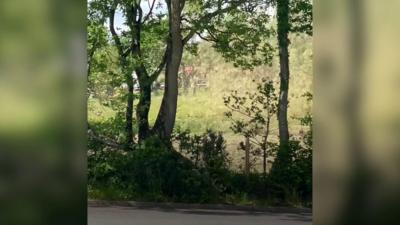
<point x="197" y="169"/>
<point x="155" y="172"/>
<point x="141" y="58"/>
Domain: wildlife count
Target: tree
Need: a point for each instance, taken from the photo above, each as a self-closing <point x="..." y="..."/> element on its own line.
<point x="284" y="8"/>
<point x="138" y="47"/>
<point x="166" y="118"/>
<point x="251" y="116"/>
<point x="138" y="43"/>
<point x="243" y="38"/>
<point x="283" y="28"/>
<point x="97" y="36"/>
<point x="149" y="42"/>
<point x="185" y="23"/>
<point x="294" y="16"/>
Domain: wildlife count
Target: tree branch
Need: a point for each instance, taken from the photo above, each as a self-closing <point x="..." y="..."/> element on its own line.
<point x="112" y="29"/>
<point x="241" y="112"/>
<point x="127" y="51"/>
<point x="161" y="66"/>
<point x="204" y="38"/>
<point x="140" y="17"/>
<point x="255" y="141"/>
<point x="211" y="34"/>
<point x="207" y="17"/>
<point x="150" y="11"/>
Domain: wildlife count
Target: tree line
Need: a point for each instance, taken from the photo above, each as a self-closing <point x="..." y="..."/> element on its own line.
<point x="150" y="37"/>
<point x="238" y="29"/>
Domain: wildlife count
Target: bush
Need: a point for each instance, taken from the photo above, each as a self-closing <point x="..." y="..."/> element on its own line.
<point x="198" y="173"/>
<point x="254" y="184"/>
<point x="208" y="153"/>
<point x="291" y="180"/>
<point x="154" y="172"/>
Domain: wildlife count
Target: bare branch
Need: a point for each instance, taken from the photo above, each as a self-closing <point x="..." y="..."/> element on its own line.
<point x="211" y="34"/>
<point x="204" y="38"/>
<point x="139" y="20"/>
<point x="150" y="11"/>
<point x="112" y="30"/>
<point x="241" y="112"/>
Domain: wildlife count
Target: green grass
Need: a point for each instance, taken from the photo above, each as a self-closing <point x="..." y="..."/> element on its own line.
<point x="198" y="112"/>
<point x="98" y="112"/>
<point x="201" y="111"/>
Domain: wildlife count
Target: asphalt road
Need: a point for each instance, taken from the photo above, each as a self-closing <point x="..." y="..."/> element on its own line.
<point x="162" y="216"/>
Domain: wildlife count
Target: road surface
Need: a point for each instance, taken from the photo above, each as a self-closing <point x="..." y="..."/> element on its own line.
<point x="167" y="216"/>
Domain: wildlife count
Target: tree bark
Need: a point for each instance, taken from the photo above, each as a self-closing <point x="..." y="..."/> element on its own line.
<point x="129" y="111"/>
<point x="143" y="108"/>
<point x="128" y="79"/>
<point x="90" y="60"/>
<point x="247" y="156"/>
<point x="283" y="41"/>
<point x="281" y="168"/>
<point x="135" y="15"/>
<point x="166" y="117"/>
<point x="265" y="146"/>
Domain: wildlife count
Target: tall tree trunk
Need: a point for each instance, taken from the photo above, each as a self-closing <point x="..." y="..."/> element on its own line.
<point x="143" y="108"/>
<point x="128" y="78"/>
<point x="129" y="111"/>
<point x="283" y="41"/>
<point x="247" y="149"/>
<point x="265" y="146"/>
<point x="280" y="171"/>
<point x="166" y="117"/>
<point x="90" y="59"/>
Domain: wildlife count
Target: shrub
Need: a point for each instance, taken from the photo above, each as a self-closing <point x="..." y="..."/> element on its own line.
<point x="208" y="153"/>
<point x="158" y="170"/>
<point x="251" y="115"/>
<point x="207" y="150"/>
<point x="198" y="173"/>
<point x="291" y="181"/>
<point x="151" y="172"/>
